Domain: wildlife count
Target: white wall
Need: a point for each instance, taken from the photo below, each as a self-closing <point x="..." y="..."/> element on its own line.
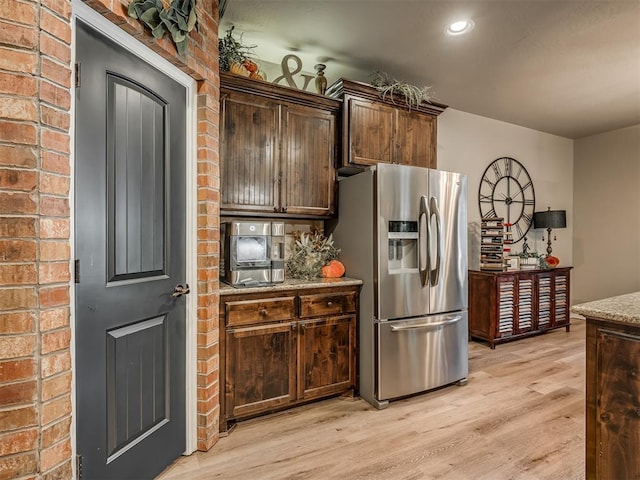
<point x="607" y="215"/>
<point x="468" y="143"/>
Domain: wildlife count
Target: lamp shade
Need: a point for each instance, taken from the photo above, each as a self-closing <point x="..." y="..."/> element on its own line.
<point x="550" y="219"/>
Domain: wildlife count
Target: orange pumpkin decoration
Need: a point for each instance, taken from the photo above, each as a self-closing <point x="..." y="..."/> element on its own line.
<point x="251" y="66"/>
<point x="334" y="269"/>
<point x="237" y="69"/>
<point x="552" y="261"/>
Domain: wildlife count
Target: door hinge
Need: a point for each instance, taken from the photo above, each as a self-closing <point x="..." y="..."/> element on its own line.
<point x="76" y="271"/>
<point x="77" y="75"/>
<point x="78" y="467"/>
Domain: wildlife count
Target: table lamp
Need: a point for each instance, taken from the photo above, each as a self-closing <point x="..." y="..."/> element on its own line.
<point x="549" y="220"/>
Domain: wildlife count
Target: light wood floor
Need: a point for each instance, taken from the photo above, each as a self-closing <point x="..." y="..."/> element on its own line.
<point x="521" y="416"/>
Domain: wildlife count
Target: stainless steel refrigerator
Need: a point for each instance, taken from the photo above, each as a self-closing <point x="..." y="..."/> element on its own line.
<point x="403" y="231"/>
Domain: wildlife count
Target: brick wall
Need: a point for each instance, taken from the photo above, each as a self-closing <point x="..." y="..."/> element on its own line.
<point x="35" y="361"/>
<point x="35" y="333"/>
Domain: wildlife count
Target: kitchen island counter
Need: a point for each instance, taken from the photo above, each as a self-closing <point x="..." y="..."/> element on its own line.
<point x="621" y="309"/>
<point x="612" y="386"/>
<point x="288" y="284"/>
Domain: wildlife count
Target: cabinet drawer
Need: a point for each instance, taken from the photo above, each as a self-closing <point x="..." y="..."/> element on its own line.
<point x="327" y="304"/>
<point x="247" y="312"/>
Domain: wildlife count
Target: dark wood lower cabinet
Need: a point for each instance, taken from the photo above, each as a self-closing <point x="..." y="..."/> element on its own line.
<point x="505" y="306"/>
<point x="284" y="348"/>
<point x="613" y="401"/>
<point x="327" y="363"/>
<point x="261" y="368"/>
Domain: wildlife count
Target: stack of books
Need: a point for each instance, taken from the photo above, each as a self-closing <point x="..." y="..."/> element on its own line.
<point x="492" y="244"/>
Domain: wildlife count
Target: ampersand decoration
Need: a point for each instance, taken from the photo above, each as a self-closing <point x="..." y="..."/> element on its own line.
<point x="287" y="74"/>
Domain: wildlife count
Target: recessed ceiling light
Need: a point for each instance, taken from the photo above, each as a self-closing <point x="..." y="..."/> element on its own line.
<point x="460" y="27"/>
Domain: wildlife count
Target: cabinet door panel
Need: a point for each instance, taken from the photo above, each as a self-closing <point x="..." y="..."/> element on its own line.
<point x="545" y="300"/>
<point x="327" y="349"/>
<point x="416" y="134"/>
<point x="561" y="288"/>
<point x="260" y="368"/>
<point x="617" y="404"/>
<point x="308" y="161"/>
<point x="507" y="296"/>
<point x="526" y="286"/>
<point x="371" y="132"/>
<point x="248" y="153"/>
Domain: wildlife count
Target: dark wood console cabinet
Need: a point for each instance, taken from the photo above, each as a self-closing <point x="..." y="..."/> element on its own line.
<point x="508" y="305"/>
<point x="282" y="348"/>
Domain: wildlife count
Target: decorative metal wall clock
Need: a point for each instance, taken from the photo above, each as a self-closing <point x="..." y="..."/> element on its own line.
<point x="506" y="191"/>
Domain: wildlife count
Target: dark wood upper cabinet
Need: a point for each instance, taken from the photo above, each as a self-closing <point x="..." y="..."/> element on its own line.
<point x="416" y="137"/>
<point x="371" y="130"/>
<point x="384" y="131"/>
<point x="308" y="161"/>
<point x="278" y="150"/>
<point x="249" y="152"/>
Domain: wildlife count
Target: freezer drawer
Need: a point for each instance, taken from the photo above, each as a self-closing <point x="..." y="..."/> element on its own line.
<point x="420" y="354"/>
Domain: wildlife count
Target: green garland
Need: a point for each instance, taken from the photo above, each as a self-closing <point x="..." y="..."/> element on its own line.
<point x="179" y="19"/>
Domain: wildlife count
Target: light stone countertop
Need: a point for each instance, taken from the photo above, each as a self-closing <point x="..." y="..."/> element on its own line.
<point x="290" y="283"/>
<point x="620" y="309"/>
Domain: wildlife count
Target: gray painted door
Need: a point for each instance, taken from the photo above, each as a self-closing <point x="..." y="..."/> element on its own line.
<point x="130" y="244"/>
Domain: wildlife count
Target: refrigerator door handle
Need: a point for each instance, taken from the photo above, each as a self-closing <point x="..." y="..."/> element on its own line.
<point x="422" y="242"/>
<point x="398" y="328"/>
<point x="434" y="275"/>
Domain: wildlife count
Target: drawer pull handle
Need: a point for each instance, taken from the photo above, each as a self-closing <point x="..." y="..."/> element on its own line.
<point x="329" y="304"/>
<point x="263" y="312"/>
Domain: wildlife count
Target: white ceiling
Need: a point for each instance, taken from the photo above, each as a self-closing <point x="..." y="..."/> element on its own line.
<point x="566" y="67"/>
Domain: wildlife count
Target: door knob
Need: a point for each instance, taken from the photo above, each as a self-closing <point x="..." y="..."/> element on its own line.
<point x="180" y="290"/>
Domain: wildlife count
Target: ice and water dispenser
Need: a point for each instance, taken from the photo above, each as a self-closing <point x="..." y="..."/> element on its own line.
<point x="403" y="246"/>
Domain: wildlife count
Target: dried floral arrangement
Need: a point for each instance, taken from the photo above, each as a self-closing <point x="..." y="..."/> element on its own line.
<point x="178" y="19"/>
<point x="235" y="57"/>
<point x="391" y="88"/>
<point x="310" y="253"/>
